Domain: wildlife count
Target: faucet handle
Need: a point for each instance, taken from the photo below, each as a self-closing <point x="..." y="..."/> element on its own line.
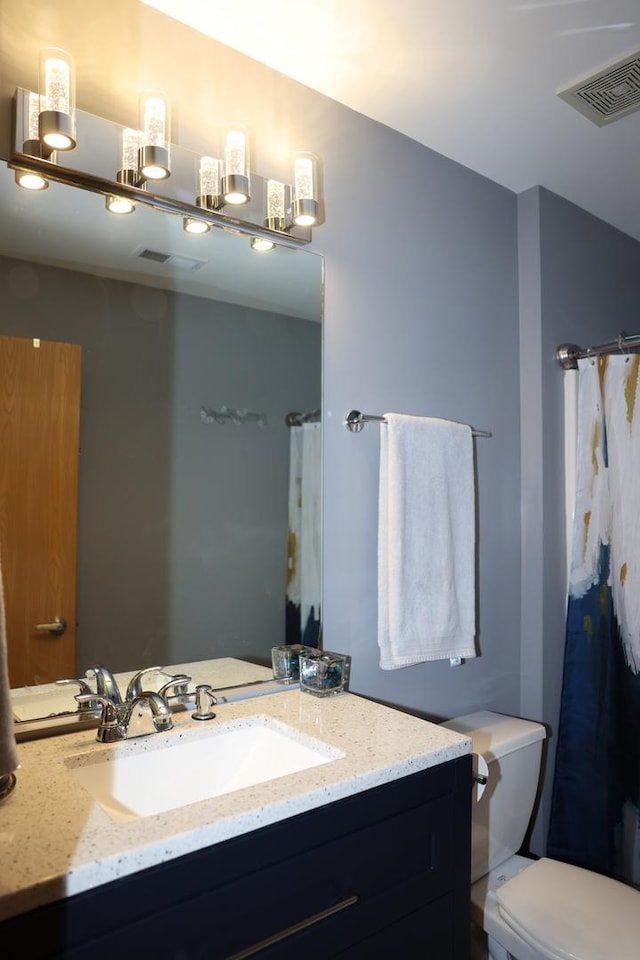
<point x="205" y="699"/>
<point x="134" y="688"/>
<point x="181" y="683"/>
<point x="111" y="728"/>
<point x="87" y="706"/>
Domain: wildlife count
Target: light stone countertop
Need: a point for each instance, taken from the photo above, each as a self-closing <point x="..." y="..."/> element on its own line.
<point x="56" y="841"/>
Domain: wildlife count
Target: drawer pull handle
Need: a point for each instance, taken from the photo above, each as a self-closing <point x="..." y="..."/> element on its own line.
<point x="295" y="928"/>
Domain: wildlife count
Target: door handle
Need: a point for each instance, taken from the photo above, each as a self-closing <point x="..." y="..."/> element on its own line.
<point x="56" y="628"/>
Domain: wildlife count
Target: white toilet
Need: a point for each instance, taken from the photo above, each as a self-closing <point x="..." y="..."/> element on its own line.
<point x="533" y="909"/>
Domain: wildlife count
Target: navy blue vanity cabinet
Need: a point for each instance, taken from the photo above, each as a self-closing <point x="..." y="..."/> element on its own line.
<point x="384" y="873"/>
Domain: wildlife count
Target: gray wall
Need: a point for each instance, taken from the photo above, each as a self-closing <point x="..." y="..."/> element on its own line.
<point x="182" y="525"/>
<point x="421" y="318"/>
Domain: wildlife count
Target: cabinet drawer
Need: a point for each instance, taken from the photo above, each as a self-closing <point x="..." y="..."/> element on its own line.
<point x="408" y="858"/>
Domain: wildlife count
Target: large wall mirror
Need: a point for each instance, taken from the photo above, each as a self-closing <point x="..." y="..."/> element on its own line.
<point x="182" y="507"/>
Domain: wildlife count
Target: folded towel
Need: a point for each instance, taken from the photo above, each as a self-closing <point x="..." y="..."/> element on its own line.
<point x="426" y="541"/>
<point x="8" y="751"/>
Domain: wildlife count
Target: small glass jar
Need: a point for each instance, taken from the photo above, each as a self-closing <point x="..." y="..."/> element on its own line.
<point x="285" y="661"/>
<point x="323" y="675"/>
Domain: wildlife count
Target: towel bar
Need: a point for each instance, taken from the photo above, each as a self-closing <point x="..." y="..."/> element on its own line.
<point x="355" y="421"/>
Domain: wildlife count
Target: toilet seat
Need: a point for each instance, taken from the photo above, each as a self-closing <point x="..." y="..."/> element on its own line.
<point x="567" y="913"/>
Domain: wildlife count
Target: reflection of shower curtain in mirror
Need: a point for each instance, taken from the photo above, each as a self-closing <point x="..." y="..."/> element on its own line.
<point x="595" y="815"/>
<point x="303" y="571"/>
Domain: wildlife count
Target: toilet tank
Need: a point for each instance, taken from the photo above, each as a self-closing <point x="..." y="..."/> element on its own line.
<point x="511" y="749"/>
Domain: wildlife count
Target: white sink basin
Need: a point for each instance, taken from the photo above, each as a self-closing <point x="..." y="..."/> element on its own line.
<point x="150" y="775"/>
<point x="30" y="706"/>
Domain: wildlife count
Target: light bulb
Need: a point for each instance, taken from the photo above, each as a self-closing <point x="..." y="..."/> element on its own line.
<point x="30" y="181"/>
<point x="194" y="226"/>
<point x="262" y="244"/>
<point x="119" y="205"/>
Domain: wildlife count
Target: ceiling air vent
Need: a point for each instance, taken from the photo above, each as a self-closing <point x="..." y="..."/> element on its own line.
<point x="168" y="259"/>
<point x="609" y="94"/>
<point x="154" y="255"/>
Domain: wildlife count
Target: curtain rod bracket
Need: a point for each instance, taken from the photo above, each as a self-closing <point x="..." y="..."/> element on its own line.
<point x="567" y="355"/>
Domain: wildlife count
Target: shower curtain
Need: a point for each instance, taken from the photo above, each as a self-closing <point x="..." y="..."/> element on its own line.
<point x="303" y="591"/>
<point x="595" y="812"/>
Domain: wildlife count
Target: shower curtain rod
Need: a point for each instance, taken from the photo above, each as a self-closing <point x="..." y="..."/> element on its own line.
<point x="295" y="419"/>
<point x="568" y="354"/>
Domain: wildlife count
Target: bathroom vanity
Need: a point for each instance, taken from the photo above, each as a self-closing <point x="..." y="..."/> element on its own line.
<point x="364" y="856"/>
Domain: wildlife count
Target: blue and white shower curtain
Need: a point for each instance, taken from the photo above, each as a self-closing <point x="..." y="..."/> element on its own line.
<point x="595" y="814"/>
<point x="304" y="582"/>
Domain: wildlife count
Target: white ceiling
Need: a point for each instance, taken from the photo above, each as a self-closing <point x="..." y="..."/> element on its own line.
<point x="475" y="80"/>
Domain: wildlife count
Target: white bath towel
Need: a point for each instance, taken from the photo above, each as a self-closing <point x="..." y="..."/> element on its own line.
<point x="426" y="541"/>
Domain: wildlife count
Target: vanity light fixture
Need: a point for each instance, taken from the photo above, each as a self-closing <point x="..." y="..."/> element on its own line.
<point x="29" y="179"/>
<point x="194" y="226"/>
<point x="235" y="181"/>
<point x="262" y="244"/>
<point x="306" y="190"/>
<point x="279" y="212"/>
<point x="209" y="196"/>
<point x="153" y="155"/>
<point x="57" y="89"/>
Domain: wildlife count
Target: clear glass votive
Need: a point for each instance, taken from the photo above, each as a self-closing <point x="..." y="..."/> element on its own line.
<point x="285" y="661"/>
<point x="323" y="675"/>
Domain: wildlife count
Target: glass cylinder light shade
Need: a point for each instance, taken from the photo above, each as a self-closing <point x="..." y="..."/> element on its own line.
<point x="32" y="144"/>
<point x="57" y="89"/>
<point x="306" y="192"/>
<point x="276" y="218"/>
<point x="209" y="184"/>
<point x="128" y="172"/>
<point x="235" y="182"/>
<point x="154" y="137"/>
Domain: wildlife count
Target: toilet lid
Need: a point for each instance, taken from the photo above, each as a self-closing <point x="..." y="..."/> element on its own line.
<point x="567" y="913"/>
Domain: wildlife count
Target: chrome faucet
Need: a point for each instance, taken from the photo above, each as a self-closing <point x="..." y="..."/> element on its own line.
<point x="136" y="721"/>
<point x="106" y="685"/>
<point x="179" y="680"/>
<point x="120" y="721"/>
